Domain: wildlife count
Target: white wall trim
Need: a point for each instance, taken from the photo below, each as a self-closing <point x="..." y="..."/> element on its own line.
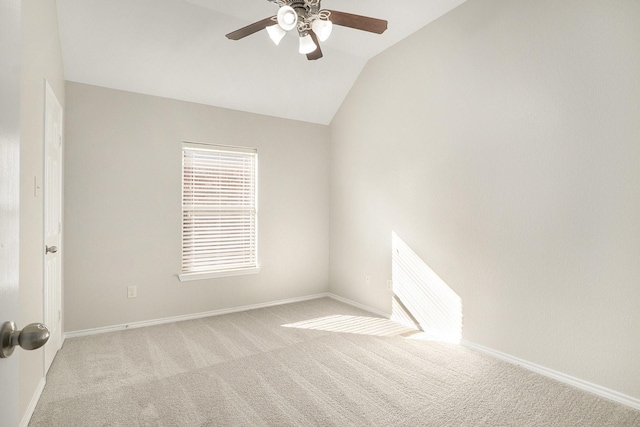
<point x="358" y="305"/>
<point x="145" y="323"/>
<point x="34" y="401"/>
<point x="558" y="376"/>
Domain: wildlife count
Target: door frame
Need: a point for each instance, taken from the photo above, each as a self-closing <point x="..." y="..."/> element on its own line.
<point x="49" y="95"/>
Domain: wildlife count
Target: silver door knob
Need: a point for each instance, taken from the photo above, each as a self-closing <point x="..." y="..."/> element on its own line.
<point x="31" y="337"/>
<point x="51" y="249"/>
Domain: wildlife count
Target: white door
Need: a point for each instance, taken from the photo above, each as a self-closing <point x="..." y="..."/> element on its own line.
<point x="10" y="54"/>
<point x="52" y="224"/>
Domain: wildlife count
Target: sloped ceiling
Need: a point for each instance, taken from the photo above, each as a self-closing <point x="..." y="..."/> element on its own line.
<point x="177" y="49"/>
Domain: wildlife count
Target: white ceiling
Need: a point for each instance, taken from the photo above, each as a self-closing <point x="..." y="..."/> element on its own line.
<point x="178" y="49"/>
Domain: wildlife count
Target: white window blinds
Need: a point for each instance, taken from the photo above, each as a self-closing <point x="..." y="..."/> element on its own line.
<point x="219" y="209"/>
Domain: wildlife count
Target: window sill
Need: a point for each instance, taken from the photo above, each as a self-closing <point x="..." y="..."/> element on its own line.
<point x="187" y="277"/>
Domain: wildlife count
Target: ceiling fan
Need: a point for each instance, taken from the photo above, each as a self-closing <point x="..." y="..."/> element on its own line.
<point x="313" y="23"/>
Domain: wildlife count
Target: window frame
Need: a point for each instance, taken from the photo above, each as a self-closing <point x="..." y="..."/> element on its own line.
<point x="253" y="268"/>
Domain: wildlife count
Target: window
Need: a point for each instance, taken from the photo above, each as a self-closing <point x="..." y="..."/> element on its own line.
<point x="219" y="211"/>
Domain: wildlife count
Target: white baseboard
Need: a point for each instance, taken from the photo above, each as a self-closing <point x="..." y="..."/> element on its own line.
<point x="358" y="305"/>
<point x="34" y="401"/>
<point x="558" y="376"/>
<point x="145" y="323"/>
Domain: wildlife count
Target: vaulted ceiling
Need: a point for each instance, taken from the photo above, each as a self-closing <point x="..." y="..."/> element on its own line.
<point x="177" y="49"/>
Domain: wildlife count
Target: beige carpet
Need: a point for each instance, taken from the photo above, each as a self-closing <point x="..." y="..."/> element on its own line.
<point x="248" y="369"/>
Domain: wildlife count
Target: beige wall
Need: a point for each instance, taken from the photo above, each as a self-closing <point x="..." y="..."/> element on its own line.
<point x="122" y="207"/>
<point x="42" y="60"/>
<point x="501" y="144"/>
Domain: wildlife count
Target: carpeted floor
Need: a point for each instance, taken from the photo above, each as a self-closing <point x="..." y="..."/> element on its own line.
<point x="285" y="365"/>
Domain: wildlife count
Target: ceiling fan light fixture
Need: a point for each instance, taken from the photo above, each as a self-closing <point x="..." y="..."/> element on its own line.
<point x="322" y="28"/>
<point x="307" y="45"/>
<point x="276" y="33"/>
<point x="313" y="24"/>
<point x="287" y="18"/>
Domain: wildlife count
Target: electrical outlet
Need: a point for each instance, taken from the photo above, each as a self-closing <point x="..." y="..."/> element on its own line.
<point x="132" y="291"/>
<point x="389" y="285"/>
<point x="367" y="279"/>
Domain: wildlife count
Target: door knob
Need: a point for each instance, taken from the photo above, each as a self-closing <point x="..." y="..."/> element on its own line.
<point x="31" y="337"/>
<point x="52" y="249"/>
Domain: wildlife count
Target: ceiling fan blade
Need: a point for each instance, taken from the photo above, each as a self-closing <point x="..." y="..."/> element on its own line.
<point x="358" y="22"/>
<point x="252" y="28"/>
<point x="316" y="54"/>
